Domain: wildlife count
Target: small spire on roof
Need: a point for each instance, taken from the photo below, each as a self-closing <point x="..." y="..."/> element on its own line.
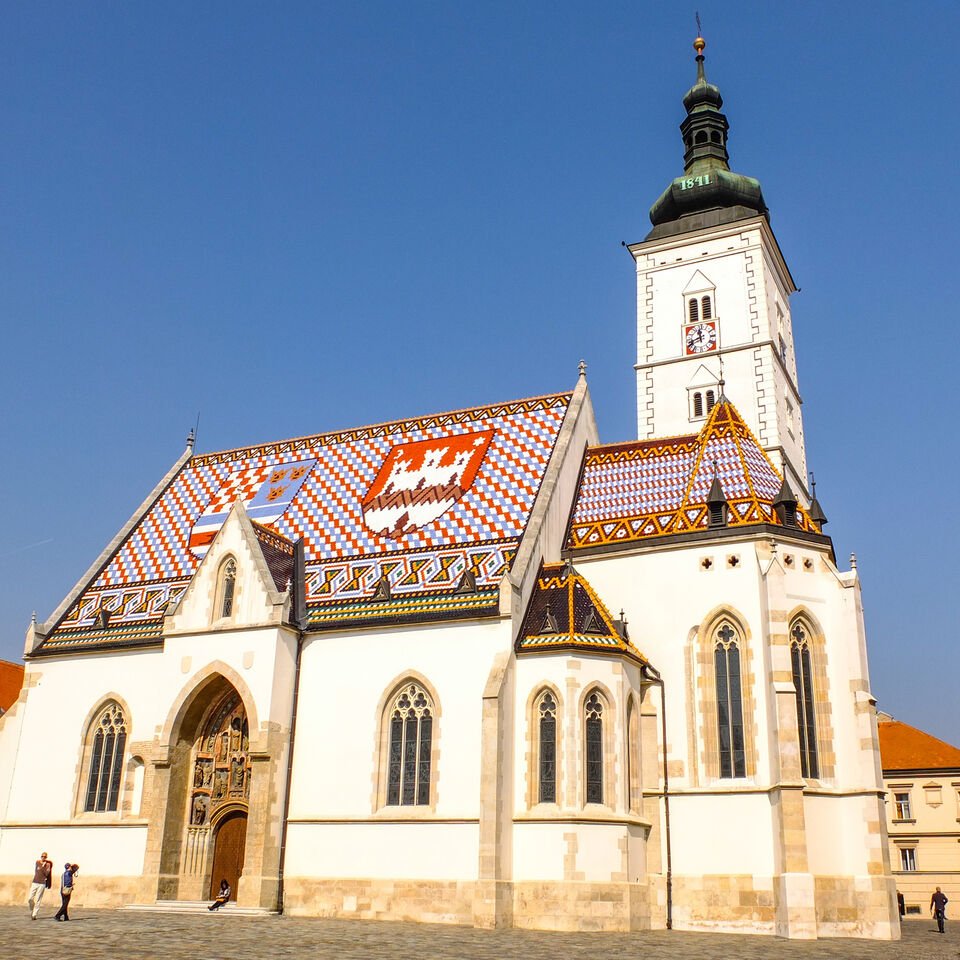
<point x="583" y="368"/>
<point x="716" y="501"/>
<point x="853" y="561"/>
<point x="33" y="619"/>
<point x="191" y="439"/>
<point x="700" y="45"/>
<point x="816" y="511"/>
<point x="721" y="383"/>
<point x="785" y="504"/>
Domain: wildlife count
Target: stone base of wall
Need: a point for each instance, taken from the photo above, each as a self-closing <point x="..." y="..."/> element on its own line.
<point x="92" y="891"/>
<point x="843" y="906"/>
<point x="532" y="906"/>
<point x="857" y="907"/>
<point x="423" y="901"/>
<point x="725" y="903"/>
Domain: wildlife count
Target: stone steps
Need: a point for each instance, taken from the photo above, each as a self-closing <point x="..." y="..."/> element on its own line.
<point x="199" y="906"/>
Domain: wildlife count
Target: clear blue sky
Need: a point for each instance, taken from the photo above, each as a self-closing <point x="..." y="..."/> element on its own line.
<point x="299" y="217"/>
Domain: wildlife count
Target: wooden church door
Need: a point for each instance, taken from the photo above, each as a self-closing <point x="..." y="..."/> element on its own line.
<point x="229" y="845"/>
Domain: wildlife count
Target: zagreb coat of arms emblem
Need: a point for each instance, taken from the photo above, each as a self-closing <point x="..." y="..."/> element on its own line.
<point x="419" y="481"/>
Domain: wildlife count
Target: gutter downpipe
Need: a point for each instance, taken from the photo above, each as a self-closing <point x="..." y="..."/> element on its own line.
<point x="654" y="676"/>
<point x="298" y="615"/>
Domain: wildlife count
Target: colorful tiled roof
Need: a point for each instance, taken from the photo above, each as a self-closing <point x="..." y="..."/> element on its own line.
<point x="652" y="488"/>
<point x="903" y="747"/>
<point x="11" y="680"/>
<point x="420" y="502"/>
<point x="565" y="612"/>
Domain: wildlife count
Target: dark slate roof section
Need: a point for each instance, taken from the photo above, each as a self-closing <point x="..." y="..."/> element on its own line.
<point x="278" y="553"/>
<point x="565" y="613"/>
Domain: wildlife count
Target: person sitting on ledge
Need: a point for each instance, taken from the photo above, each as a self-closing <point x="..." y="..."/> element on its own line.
<point x="222" y="897"/>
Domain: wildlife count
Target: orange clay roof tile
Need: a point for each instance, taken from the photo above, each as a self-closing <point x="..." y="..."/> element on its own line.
<point x="903" y="747"/>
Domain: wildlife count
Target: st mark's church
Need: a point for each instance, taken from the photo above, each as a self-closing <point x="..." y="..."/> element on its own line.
<point x="479" y="668"/>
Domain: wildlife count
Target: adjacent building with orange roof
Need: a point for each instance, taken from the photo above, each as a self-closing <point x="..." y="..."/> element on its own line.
<point x="922" y="777"/>
<point x="11" y="680"/>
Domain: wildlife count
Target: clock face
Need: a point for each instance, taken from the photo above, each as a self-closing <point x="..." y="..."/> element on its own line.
<point x="700" y="338"/>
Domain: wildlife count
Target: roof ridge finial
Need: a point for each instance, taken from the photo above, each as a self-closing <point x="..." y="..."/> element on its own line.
<point x="700" y="45"/>
<point x="582" y="367"/>
<point x="813" y="485"/>
<point x="721" y="383"/>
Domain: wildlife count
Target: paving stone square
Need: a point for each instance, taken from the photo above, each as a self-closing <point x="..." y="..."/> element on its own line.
<point x="103" y="934"/>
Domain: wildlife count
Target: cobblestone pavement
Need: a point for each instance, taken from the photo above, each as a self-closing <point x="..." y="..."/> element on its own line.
<point x="102" y="934"/>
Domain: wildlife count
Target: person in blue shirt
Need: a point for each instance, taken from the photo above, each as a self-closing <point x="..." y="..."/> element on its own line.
<point x="70" y="871"/>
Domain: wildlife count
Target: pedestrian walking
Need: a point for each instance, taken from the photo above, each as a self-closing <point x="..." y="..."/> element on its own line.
<point x="67" y="881"/>
<point x="42" y="871"/>
<point x="938" y="907"/>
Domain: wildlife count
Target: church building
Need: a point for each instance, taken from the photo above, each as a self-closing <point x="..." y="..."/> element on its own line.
<point x="479" y="668"/>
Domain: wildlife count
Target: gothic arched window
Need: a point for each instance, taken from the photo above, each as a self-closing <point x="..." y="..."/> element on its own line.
<point x="547" y="732"/>
<point x="593" y="744"/>
<point x="409" y="751"/>
<point x="726" y="653"/>
<point x="228" y="587"/>
<point x="803" y="683"/>
<point x="108" y="735"/>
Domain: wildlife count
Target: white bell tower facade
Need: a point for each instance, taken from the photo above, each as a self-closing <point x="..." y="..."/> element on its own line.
<point x="713" y="311"/>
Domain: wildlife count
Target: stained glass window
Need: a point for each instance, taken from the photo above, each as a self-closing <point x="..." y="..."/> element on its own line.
<point x="729" y="703"/>
<point x="106" y="759"/>
<point x="548" y="749"/>
<point x="411" y="741"/>
<point x="803" y="684"/>
<point x="228" y="588"/>
<point x="594" y="748"/>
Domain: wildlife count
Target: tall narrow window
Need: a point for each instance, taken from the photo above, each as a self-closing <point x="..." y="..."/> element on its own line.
<point x="693" y="309"/>
<point x="228" y="588"/>
<point x="698" y="404"/>
<point x="707" y="308"/>
<point x="803" y="683"/>
<point x="729" y="702"/>
<point x="411" y="741"/>
<point x="901" y="806"/>
<point x="593" y="710"/>
<point x="106" y="759"/>
<point x="908" y="859"/>
<point x="548" y="749"/>
<point x="711" y="400"/>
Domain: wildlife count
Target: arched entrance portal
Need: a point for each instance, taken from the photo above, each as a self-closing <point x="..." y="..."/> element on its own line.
<point x="217" y="810"/>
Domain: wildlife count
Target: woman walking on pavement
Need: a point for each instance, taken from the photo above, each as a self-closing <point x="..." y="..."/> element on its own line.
<point x="70" y="871"/>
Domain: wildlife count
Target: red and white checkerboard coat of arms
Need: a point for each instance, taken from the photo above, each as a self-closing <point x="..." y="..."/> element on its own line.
<point x="419" y="481"/>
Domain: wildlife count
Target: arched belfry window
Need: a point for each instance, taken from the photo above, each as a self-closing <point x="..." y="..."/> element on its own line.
<point x="411" y="741"/>
<point x="228" y="588"/>
<point x="593" y="747"/>
<point x="547" y="732"/>
<point x="726" y="654"/>
<point x="693" y="310"/>
<point x="698" y="404"/>
<point x="711" y="400"/>
<point x="803" y="683"/>
<point x="706" y="308"/>
<point x="109" y="738"/>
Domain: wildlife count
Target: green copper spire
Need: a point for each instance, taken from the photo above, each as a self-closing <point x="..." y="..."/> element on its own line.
<point x="708" y="193"/>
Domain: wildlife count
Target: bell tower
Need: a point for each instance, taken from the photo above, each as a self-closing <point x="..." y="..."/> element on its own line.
<point x="713" y="289"/>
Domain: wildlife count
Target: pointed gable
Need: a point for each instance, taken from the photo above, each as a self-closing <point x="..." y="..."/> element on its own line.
<point x="698" y="283"/>
<point x="564" y="612"/>
<point x="651" y="488"/>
